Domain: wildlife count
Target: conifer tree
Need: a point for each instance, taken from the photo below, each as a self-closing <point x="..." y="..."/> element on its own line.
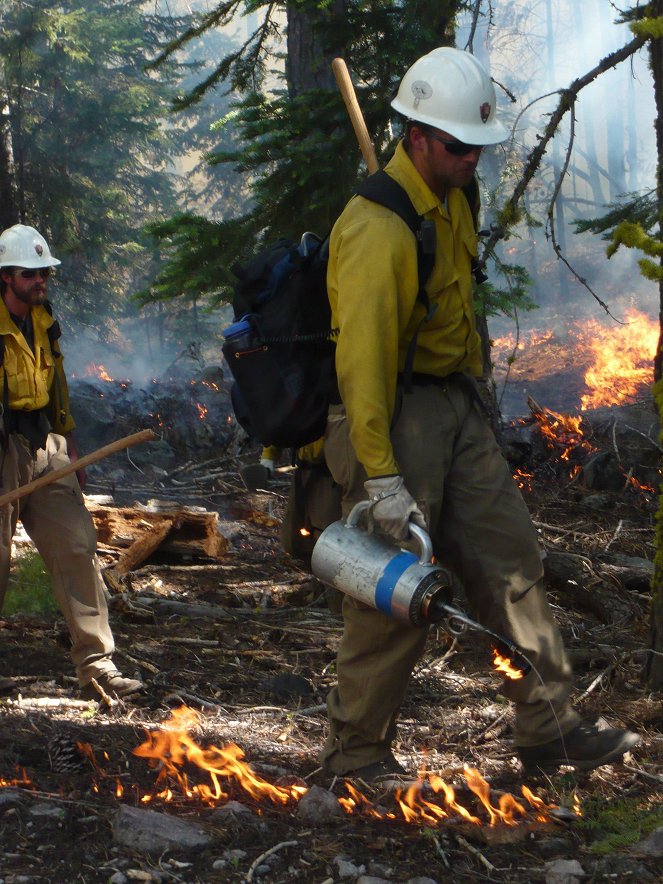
<point x="294" y="140"/>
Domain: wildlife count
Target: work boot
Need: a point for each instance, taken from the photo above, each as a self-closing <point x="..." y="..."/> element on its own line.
<point x="386" y="774"/>
<point x="114" y="684"/>
<point x="586" y="746"/>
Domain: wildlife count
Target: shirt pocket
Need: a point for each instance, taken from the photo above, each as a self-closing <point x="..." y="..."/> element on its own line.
<point x="16" y="380"/>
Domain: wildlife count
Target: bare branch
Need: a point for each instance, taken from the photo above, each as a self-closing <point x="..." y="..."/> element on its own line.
<point x="566" y="102"/>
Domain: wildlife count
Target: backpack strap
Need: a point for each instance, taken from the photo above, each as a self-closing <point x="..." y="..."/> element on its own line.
<point x="381" y="188"/>
<point x="4" y="406"/>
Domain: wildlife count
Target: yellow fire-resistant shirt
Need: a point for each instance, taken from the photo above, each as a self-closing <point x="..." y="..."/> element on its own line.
<point x="372" y="282"/>
<point x="34" y="380"/>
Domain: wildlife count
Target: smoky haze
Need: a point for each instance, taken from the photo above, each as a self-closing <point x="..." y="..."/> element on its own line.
<point x="532" y="49"/>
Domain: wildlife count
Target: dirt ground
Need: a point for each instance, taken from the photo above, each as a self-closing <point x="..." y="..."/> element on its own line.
<point x="257" y="673"/>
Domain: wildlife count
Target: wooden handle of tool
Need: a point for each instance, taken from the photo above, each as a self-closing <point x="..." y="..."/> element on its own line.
<point x="80" y="464"/>
<point x="342" y="75"/>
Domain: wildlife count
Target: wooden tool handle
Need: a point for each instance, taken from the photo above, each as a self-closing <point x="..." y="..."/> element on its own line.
<point x="80" y="464"/>
<point x="342" y="75"/>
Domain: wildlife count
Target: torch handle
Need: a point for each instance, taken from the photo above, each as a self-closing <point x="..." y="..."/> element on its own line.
<point x="347" y="90"/>
<point x="81" y="463"/>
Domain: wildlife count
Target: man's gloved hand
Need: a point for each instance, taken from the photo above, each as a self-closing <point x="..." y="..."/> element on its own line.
<point x="392" y="506"/>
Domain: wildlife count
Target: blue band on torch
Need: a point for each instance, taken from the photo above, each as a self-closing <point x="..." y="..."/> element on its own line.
<point x="389" y="578"/>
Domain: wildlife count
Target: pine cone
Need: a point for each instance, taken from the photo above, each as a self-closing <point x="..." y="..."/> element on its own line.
<point x="65" y="756"/>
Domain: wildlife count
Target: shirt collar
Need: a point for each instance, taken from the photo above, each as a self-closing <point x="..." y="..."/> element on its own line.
<point x="402" y="169"/>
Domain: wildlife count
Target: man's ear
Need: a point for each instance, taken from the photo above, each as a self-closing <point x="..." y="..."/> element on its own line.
<point x="417" y="136"/>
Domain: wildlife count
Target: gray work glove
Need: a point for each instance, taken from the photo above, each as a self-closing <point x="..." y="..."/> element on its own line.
<point x="392" y="506"/>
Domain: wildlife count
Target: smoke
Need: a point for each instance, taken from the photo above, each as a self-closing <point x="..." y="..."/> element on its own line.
<point x="537" y="47"/>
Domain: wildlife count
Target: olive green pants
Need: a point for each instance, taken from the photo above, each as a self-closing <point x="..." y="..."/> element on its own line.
<point x="480" y="528"/>
<point x="62" y="529"/>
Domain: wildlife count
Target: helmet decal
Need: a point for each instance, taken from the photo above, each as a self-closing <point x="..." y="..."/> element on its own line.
<point x="421" y="90"/>
<point x="39" y="249"/>
<point x="485" y="110"/>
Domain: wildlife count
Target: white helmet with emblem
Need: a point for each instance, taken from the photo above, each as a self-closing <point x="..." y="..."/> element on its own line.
<point x="450" y="90"/>
<point x="23" y="246"/>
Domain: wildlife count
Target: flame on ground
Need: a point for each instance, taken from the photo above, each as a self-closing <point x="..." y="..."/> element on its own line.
<point x="92" y="369"/>
<point x="172" y="748"/>
<point x="623" y="360"/>
<point x="619" y="356"/>
<point x="427" y="801"/>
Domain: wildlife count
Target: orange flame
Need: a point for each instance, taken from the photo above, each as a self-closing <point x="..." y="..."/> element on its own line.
<point x="504" y="665"/>
<point x="98" y="371"/>
<point x="623" y="360"/>
<point x="172" y="747"/>
<point x="202" y="411"/>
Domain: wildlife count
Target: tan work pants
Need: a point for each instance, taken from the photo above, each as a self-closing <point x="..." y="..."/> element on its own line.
<point x="480" y="527"/>
<point x="62" y="529"/>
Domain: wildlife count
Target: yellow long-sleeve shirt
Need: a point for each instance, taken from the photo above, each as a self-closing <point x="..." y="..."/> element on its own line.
<point x="34" y="380"/>
<point x="372" y="282"/>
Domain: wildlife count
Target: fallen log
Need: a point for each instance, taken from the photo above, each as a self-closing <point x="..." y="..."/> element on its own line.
<point x="143" y="548"/>
<point x="177" y="530"/>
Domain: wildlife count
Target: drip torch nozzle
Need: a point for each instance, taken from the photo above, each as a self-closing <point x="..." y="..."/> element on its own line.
<point x="457" y="622"/>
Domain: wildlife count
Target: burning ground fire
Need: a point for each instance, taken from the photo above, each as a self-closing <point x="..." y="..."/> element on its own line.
<point x="618" y="369"/>
<point x="619" y="357"/>
<point x="179" y="759"/>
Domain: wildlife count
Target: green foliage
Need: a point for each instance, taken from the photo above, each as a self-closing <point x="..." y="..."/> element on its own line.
<point x="296" y="146"/>
<point x="93" y="160"/>
<point x="648" y="27"/>
<point x="30" y="590"/>
<point x="639" y="208"/>
<point x="189" y="250"/>
<point x="629" y="224"/>
<point x="618" y="823"/>
<point x="515" y="297"/>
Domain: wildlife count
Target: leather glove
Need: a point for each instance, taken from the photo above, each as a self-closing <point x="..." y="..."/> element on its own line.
<point x="392" y="506"/>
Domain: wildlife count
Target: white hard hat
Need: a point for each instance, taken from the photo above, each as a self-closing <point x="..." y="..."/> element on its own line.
<point x="450" y="90"/>
<point x="23" y="246"/>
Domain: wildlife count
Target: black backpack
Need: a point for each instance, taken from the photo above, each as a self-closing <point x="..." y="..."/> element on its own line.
<point x="279" y="348"/>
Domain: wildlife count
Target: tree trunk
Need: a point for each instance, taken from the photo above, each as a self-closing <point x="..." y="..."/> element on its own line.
<point x="654" y="668"/>
<point x="308" y="62"/>
<point x="8" y="194"/>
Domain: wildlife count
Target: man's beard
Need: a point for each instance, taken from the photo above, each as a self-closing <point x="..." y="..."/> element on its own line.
<point x="33" y="298"/>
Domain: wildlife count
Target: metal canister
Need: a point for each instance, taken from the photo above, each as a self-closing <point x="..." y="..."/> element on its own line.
<point x="377" y="573"/>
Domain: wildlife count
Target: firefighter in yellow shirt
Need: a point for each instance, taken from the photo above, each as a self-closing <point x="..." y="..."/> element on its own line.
<point x="36" y="431"/>
<point x="427" y="455"/>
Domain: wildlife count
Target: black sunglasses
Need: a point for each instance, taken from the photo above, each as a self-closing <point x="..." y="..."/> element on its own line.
<point x="455" y="148"/>
<point x="44" y="272"/>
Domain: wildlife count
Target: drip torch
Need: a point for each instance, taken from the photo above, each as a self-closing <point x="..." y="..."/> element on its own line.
<point x="412" y="589"/>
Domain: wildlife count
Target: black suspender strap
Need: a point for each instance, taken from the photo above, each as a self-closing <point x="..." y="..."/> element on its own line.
<point x="381" y="188"/>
